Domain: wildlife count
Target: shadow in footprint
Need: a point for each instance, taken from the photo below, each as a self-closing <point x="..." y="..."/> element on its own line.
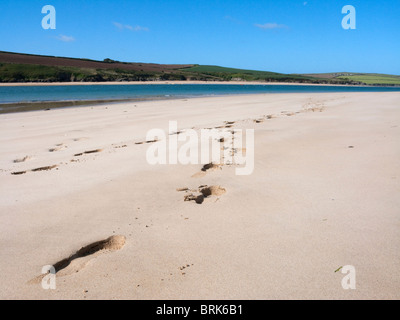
<point x="143" y="142"/>
<point x="79" y="259"/>
<point x="47" y="168"/>
<point x="113" y="243"/>
<point x="26" y="158"/>
<point x="202" y="193"/>
<point x="206" y="168"/>
<point x="212" y="191"/>
<point x="88" y="152"/>
<point x="209" y="166"/>
<point x="18" y="173"/>
<point x="198" y="198"/>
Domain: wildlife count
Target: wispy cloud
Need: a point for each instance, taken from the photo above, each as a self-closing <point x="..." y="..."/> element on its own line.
<point x="232" y="19"/>
<point x="271" y="26"/>
<point x="140" y="28"/>
<point x="121" y="27"/>
<point x="305" y="3"/>
<point x="65" y="38"/>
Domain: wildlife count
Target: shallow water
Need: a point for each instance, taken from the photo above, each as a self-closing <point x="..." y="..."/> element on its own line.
<point x="16" y="94"/>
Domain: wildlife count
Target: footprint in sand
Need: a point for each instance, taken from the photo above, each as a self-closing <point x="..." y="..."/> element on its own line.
<point x="210" y="166"/>
<point x="80" y="139"/>
<point x="17" y="173"/>
<point x="46" y="168"/>
<point x="314" y="106"/>
<point x="198" y="198"/>
<point x="83" y="256"/>
<point x="212" y="191"/>
<point x="142" y="142"/>
<point x="19" y="160"/>
<point x="198" y="195"/>
<point x="177" y="132"/>
<point x="206" y="168"/>
<point x="87" y="152"/>
<point x="229" y="124"/>
<point x="58" y="147"/>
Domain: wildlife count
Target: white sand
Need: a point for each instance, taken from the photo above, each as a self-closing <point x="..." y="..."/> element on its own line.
<point x="311" y="206"/>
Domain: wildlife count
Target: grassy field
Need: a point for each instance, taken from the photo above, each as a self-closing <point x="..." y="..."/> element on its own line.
<point x="360" y="78"/>
<point x="243" y="74"/>
<point x="373" y="78"/>
<point x="218" y="69"/>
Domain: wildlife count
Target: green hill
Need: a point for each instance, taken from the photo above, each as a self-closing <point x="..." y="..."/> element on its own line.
<point x="224" y="73"/>
<point x="17" y="67"/>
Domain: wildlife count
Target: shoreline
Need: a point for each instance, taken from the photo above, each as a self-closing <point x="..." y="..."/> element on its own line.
<point x="29" y="84"/>
<point x="6" y="108"/>
<point x="27" y="106"/>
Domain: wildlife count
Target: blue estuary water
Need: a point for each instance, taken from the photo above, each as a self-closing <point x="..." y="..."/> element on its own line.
<point x="15" y="94"/>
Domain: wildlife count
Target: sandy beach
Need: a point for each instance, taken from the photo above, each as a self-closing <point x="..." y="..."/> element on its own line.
<point x="324" y="194"/>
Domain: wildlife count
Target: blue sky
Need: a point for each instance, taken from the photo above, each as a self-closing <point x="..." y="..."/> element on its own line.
<point x="289" y="36"/>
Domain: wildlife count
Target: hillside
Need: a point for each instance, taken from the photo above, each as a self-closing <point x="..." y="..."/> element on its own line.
<point x="18" y="67"/>
<point x="20" y="58"/>
<point x="247" y="75"/>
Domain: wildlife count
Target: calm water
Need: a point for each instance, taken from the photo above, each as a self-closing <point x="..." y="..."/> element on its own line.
<point x="105" y="92"/>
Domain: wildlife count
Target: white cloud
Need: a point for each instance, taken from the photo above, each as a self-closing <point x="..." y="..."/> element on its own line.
<point x="118" y="25"/>
<point x="121" y="26"/>
<point x="139" y="28"/>
<point x="232" y="19"/>
<point x="270" y="26"/>
<point x="65" y="38"/>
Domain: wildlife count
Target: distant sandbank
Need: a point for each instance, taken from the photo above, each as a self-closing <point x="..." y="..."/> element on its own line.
<point x="15" y="84"/>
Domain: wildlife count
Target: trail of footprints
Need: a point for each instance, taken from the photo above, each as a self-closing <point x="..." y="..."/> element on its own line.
<point x="309" y="106"/>
<point x="62" y="146"/>
<point x="199" y="194"/>
<point x="203" y="192"/>
<point x="78" y="260"/>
